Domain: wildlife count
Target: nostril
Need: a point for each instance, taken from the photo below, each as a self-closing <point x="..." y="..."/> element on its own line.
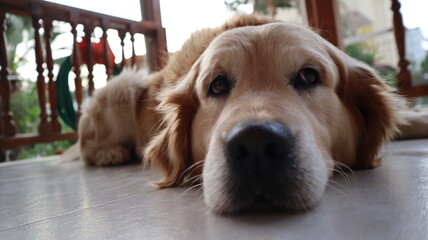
<point x="237" y="151"/>
<point x="255" y="147"/>
<point x="241" y="152"/>
<point x="273" y="151"/>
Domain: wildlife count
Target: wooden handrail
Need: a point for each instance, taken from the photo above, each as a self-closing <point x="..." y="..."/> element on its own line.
<point x="42" y="14"/>
<point x="61" y="13"/>
<point x="324" y="16"/>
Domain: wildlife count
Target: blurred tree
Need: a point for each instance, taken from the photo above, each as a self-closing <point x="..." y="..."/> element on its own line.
<point x="424" y="65"/>
<point x="362" y="52"/>
<point x="18" y="30"/>
<point x="264" y="7"/>
<point x="24" y="103"/>
<point x="420" y="77"/>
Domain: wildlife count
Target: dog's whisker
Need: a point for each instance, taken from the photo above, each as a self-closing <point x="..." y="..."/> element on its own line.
<point x="336" y="183"/>
<point x="342" y="174"/>
<point x="192" y="180"/>
<point x="190" y="170"/>
<point x="199" y="186"/>
<point x="344" y="168"/>
<point x="200" y="196"/>
<point x="194" y="169"/>
<point x="329" y="184"/>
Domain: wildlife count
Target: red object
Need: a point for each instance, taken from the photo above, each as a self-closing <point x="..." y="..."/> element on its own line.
<point x="97" y="51"/>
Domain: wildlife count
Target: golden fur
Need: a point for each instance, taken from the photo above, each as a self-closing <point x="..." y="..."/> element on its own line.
<point x="169" y="117"/>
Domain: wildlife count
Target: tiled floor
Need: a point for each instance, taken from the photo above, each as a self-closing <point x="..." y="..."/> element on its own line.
<point x="52" y="199"/>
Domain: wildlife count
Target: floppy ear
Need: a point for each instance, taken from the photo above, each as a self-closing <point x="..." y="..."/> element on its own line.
<point x="374" y="105"/>
<point x="170" y="150"/>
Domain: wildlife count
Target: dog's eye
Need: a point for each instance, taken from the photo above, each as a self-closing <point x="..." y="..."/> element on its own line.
<point x="306" y="78"/>
<point x="219" y="87"/>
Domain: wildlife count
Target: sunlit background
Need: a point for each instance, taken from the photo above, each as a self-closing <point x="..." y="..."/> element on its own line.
<point x="366" y="28"/>
<point x="181" y="18"/>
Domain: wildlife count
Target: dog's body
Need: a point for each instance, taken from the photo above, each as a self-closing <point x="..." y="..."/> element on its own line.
<point x="262" y="111"/>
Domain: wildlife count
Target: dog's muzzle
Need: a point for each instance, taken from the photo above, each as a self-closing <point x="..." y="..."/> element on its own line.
<point x="261" y="157"/>
<point x="259" y="149"/>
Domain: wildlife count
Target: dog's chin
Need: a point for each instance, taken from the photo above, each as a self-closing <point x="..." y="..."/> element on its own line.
<point x="260" y="203"/>
<point x="233" y="197"/>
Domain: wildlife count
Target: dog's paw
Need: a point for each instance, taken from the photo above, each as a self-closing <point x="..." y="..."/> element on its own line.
<point x="112" y="156"/>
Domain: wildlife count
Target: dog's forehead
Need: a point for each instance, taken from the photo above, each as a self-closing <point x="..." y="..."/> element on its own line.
<point x="283" y="45"/>
<point x="274" y="40"/>
<point x="279" y="32"/>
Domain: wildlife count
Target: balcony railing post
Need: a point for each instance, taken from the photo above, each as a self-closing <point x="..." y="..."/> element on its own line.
<point x="44" y="127"/>
<point x="106" y="53"/>
<point x="404" y="78"/>
<point x="122" y="35"/>
<point x="133" y="57"/>
<point x="55" y="126"/>
<point x="89" y="57"/>
<point x="76" y="65"/>
<point x="156" y="42"/>
<point x="7" y="125"/>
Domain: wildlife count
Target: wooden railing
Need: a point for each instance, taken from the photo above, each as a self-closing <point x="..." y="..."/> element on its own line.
<point x="42" y="14"/>
<point x="324" y="15"/>
<point x="404" y="78"/>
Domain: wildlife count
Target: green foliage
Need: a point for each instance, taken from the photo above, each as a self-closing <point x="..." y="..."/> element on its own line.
<point x="43" y="149"/>
<point x="362" y="52"/>
<point x="260" y="6"/>
<point x="424" y="65"/>
<point x="420" y="77"/>
<point x="18" y="29"/>
<point x="25" y="109"/>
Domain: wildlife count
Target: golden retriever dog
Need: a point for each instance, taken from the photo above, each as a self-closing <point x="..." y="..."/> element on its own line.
<point x="260" y="112"/>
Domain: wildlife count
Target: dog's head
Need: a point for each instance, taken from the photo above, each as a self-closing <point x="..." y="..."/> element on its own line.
<point x="267" y="112"/>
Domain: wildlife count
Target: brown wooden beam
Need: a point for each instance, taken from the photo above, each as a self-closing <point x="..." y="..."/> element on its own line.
<point x="404" y="77"/>
<point x="415" y="91"/>
<point x="27" y="139"/>
<point x="323" y="15"/>
<point x="155" y="42"/>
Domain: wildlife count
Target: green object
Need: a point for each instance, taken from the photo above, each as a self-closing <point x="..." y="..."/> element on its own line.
<point x="66" y="109"/>
<point x="116" y="70"/>
<point x="65" y="101"/>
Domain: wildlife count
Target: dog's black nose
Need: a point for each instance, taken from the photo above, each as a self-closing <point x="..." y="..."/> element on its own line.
<point x="259" y="149"/>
